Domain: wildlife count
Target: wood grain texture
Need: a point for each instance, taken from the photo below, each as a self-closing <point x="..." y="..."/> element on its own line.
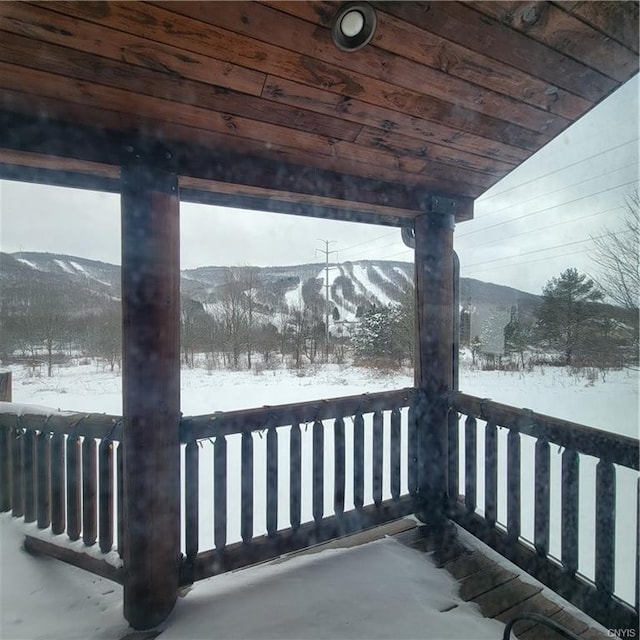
<point x="447" y="99"/>
<point x="286" y="31"/>
<point x="563" y="32"/>
<point x="151" y="393"/>
<point x="469" y="28"/>
<point x="616" y="19"/>
<point x="406" y="40"/>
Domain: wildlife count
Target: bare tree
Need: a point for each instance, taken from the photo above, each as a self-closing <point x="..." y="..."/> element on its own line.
<point x="233" y="313"/>
<point x="616" y="257"/>
<point x="107" y="334"/>
<point x="192" y="321"/>
<point x="50" y="322"/>
<point x="250" y="284"/>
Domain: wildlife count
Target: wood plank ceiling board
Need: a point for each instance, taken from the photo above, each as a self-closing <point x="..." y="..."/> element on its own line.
<point x="252" y="102"/>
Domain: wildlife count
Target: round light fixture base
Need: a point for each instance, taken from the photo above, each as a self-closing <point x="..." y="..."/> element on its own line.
<point x="353" y="26"/>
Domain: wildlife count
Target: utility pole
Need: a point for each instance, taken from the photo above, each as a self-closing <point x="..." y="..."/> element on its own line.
<point x="326" y="253"/>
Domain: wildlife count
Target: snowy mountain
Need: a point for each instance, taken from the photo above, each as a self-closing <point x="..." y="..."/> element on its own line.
<point x="351" y="284"/>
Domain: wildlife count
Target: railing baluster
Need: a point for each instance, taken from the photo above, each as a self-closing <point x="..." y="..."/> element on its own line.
<point x="57" y="484"/>
<point x="394" y="454"/>
<point x="73" y="486"/>
<point x="358" y="461"/>
<point x="43" y="479"/>
<point x="470" y="465"/>
<point x="272" y="480"/>
<point x="318" y="471"/>
<point x="605" y="527"/>
<point x="491" y="474"/>
<point x="29" y="476"/>
<point x="412" y="450"/>
<point x="378" y="443"/>
<point x="17" y="487"/>
<point x="339" y="466"/>
<point x="105" y="495"/>
<point x="5" y="469"/>
<point x="570" y="493"/>
<point x="89" y="491"/>
<point x="191" y="493"/>
<point x="513" y="485"/>
<point x="452" y="466"/>
<point x="542" y="497"/>
<point x="220" y="492"/>
<point x="295" y="477"/>
<point x="246" y="488"/>
<point x="120" y="494"/>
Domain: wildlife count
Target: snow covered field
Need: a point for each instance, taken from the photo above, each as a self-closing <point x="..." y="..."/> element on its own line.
<point x="611" y="405"/>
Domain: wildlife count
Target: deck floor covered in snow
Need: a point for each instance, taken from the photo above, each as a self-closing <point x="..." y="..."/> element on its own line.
<point x="389" y="582"/>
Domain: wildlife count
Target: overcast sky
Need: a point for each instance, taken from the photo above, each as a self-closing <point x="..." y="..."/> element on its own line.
<point x="528" y="228"/>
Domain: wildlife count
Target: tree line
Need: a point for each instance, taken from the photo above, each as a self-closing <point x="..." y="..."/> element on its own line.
<point x="236" y="328"/>
<point x="242" y="320"/>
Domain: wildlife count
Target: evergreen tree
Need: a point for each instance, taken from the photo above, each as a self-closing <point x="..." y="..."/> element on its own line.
<point x="516" y="335"/>
<point x="382" y="334"/>
<point x="567" y="313"/>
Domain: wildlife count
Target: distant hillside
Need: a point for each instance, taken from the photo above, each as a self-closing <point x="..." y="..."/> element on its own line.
<point x="352" y="284"/>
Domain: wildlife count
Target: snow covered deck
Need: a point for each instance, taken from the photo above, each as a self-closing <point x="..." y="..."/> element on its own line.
<point x="376" y="584"/>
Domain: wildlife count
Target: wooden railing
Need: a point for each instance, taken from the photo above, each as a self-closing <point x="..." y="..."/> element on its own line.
<point x="262" y="482"/>
<point x="349" y="447"/>
<point x="62" y="472"/>
<point x="499" y="522"/>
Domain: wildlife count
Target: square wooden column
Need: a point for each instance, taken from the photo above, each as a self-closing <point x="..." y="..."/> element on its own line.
<point x="150" y="393"/>
<point x="434" y="357"/>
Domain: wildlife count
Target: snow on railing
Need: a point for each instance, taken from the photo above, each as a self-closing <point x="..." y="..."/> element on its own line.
<point x="61" y="471"/>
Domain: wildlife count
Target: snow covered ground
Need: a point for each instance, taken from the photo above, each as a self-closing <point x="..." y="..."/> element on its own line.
<point x="610" y="405"/>
<point x="378" y="590"/>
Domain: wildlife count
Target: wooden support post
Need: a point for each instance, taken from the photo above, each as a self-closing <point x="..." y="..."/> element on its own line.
<point x="5" y="386"/>
<point x="434" y="358"/>
<point x="150" y="393"/>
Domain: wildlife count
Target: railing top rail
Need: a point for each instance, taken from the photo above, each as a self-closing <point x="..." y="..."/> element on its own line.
<point x="247" y="420"/>
<point x="92" y="425"/>
<point x="612" y="447"/>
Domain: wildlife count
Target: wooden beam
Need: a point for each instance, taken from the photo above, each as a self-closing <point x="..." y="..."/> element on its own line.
<point x="263" y="548"/>
<point x="434" y="358"/>
<point x="78" y="559"/>
<point x="5" y="386"/>
<point x="42" y="137"/>
<point x="151" y="393"/>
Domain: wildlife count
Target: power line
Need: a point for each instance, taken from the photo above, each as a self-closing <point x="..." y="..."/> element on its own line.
<point x="548" y="193"/>
<point x="561" y="255"/>
<point x="557" y="246"/>
<point x="365" y="251"/>
<point x="386" y="235"/>
<point x="568" y="166"/>
<point x="549" y="226"/>
<point x="556" y="206"/>
<point x="395" y="254"/>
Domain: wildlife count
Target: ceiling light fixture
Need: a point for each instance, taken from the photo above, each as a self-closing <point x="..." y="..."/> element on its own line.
<point x="353" y="26"/>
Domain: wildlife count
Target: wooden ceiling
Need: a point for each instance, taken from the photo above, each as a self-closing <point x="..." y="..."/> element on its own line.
<point x="253" y="105"/>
